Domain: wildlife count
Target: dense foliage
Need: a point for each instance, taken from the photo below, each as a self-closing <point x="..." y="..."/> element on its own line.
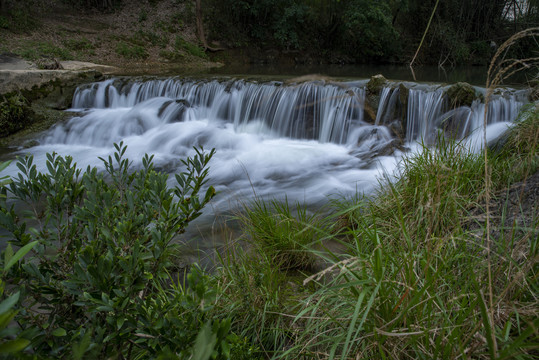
<point x="101" y="279"/>
<point x="337" y="31"/>
<point x="361" y="30"/>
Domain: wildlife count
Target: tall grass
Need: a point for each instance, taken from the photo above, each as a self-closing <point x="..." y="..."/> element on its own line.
<point x="413" y="279"/>
<point x="283" y="235"/>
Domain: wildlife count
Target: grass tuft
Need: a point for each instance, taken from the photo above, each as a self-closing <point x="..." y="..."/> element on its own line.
<point x="284" y="236"/>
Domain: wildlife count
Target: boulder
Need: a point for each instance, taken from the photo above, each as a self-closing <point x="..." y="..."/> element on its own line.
<point x="375" y="84"/>
<point x="461" y="94"/>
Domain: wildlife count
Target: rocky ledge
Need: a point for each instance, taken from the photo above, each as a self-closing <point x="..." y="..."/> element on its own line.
<point x="17" y="74"/>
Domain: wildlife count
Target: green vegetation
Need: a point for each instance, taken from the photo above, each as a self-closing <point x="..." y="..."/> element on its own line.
<point x="131" y="51"/>
<point x="81" y="44"/>
<point x="96" y="272"/>
<point x="362" y="30"/>
<point x="33" y="50"/>
<point x="332" y="31"/>
<point x="284" y="237"/>
<point x="195" y="50"/>
<point x="101" y="279"/>
<point x="153" y="38"/>
<point x="17" y="17"/>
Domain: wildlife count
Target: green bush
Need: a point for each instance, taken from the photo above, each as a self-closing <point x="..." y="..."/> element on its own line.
<point x="153" y="38"/>
<point x="100" y="282"/>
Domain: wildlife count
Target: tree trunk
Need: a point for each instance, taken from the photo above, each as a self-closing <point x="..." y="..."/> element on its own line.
<point x="200" y="26"/>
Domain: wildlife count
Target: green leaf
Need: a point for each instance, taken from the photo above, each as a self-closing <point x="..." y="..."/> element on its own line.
<point x="6" y="318"/>
<point x="205" y="343"/>
<point x="13" y="346"/>
<point x="4" y="165"/>
<point x="8" y="303"/>
<point x="59" y="332"/>
<point x="19" y="254"/>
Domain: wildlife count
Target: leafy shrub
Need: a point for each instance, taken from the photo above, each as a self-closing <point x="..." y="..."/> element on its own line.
<point x="99" y="282"/>
<point x="4" y="22"/>
<point x="129" y="51"/>
<point x="19" y="18"/>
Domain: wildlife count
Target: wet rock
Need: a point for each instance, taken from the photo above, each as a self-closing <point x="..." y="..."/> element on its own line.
<point x="370" y="108"/>
<point x="376" y="83"/>
<point x="388" y="149"/>
<point x="398" y="129"/>
<point x="461" y="94"/>
<point x="372" y="98"/>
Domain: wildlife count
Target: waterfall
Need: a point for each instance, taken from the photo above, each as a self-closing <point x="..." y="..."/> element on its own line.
<point x="314" y="110"/>
<point x="306" y="141"/>
<point x="306" y="111"/>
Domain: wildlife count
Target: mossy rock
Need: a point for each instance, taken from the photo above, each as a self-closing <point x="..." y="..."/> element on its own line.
<point x="15" y="114"/>
<point x="376" y="83"/>
<point x="461" y="94"/>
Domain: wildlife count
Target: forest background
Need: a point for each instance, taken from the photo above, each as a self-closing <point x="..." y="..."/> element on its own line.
<point x="299" y="31"/>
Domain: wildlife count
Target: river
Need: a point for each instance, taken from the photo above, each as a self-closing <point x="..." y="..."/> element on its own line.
<point x="307" y="142"/>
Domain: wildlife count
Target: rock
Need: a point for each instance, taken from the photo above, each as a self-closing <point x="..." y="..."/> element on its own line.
<point x="461" y="94"/>
<point x="15" y="114"/>
<point x="375" y="84"/>
<point x="397" y="129"/>
<point x="404" y="92"/>
<point x="388" y="148"/>
<point x="534" y="93"/>
<point x="49" y="64"/>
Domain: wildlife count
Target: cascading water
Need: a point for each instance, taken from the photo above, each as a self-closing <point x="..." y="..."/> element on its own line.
<point x="306" y="141"/>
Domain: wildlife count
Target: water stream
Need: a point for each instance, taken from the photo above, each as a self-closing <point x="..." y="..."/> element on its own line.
<point x="307" y="142"/>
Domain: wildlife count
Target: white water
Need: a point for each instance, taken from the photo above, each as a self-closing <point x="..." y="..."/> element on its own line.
<point x="307" y="142"/>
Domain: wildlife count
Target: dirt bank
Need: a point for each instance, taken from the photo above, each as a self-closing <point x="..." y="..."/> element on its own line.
<point x="140" y="37"/>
